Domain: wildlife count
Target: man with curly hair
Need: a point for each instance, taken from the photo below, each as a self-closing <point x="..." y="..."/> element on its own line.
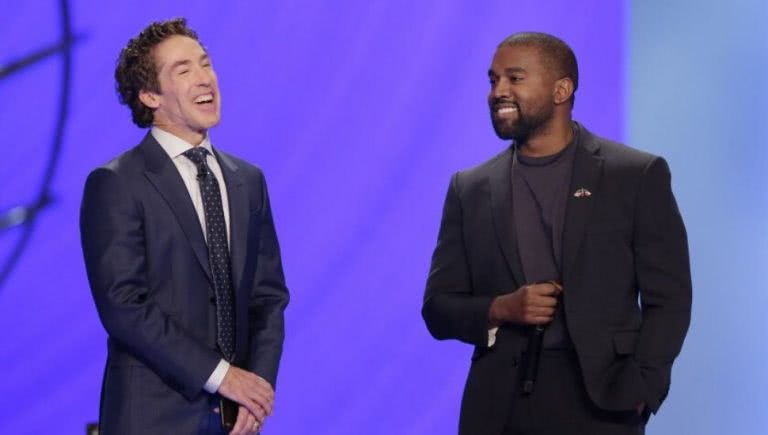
<point x="182" y="256"/>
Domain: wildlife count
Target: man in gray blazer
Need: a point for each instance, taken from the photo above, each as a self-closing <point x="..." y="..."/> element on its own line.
<point x="182" y="256"/>
<point x="563" y="260"/>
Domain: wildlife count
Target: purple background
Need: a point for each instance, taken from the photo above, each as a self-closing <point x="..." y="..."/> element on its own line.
<point x="358" y="112"/>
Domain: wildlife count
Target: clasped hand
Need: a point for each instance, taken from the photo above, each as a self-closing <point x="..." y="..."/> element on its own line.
<point x="531" y="304"/>
<point x="255" y="396"/>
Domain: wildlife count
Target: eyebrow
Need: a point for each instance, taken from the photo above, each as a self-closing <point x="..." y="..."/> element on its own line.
<point x="515" y="69"/>
<point x="178" y="63"/>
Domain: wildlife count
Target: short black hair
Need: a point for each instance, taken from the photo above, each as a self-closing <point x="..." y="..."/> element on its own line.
<point x="555" y="51"/>
<point x="136" y="69"/>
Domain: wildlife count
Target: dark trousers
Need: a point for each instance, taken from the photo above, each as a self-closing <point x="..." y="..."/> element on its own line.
<point x="559" y="404"/>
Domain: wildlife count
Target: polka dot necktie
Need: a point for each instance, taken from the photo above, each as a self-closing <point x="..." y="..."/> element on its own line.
<point x="218" y="252"/>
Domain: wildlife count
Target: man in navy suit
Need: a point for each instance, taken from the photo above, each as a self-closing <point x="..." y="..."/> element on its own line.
<point x="563" y="260"/>
<point x="182" y="256"/>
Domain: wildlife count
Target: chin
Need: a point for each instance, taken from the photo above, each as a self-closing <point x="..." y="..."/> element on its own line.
<point x="506" y="131"/>
<point x="209" y="122"/>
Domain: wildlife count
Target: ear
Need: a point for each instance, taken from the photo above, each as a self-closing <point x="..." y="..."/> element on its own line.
<point x="563" y="90"/>
<point x="149" y="99"/>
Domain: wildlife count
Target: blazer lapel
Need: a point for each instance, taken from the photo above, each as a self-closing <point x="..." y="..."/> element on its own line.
<point x="587" y="168"/>
<point x="162" y="173"/>
<point x="500" y="180"/>
<point x="239" y="210"/>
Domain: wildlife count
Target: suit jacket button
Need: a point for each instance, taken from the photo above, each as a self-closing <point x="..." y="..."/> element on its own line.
<point x="213" y="300"/>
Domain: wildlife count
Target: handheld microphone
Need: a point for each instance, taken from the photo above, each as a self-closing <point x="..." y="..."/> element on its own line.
<point x="533" y="352"/>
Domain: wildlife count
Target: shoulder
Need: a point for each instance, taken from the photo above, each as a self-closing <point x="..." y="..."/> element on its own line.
<point x="625" y="167"/>
<point x="116" y="183"/>
<point x="247" y="169"/>
<point x="125" y="166"/>
<point x="480" y="173"/>
<point x="616" y="153"/>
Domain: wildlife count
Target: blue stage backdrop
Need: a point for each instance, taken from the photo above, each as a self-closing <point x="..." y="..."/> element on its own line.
<point x="697" y="91"/>
<point x="359" y="112"/>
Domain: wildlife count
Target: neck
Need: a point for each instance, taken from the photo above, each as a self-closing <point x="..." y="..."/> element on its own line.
<point x="194" y="138"/>
<point x="547" y="141"/>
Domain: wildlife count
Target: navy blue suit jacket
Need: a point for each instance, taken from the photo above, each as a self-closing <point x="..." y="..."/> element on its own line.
<point x="148" y="269"/>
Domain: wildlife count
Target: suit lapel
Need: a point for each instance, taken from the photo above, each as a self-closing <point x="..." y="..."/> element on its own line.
<point x="239" y="210"/>
<point x="162" y="173"/>
<point x="587" y="168"/>
<point x="500" y="180"/>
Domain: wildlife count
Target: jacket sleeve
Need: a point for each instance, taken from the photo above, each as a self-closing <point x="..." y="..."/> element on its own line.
<point x="664" y="280"/>
<point x="450" y="309"/>
<point x="268" y="299"/>
<point x="113" y="242"/>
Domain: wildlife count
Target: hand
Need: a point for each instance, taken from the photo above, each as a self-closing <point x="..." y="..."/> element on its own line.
<point x="247" y="423"/>
<point x="531" y="304"/>
<point x="249" y="390"/>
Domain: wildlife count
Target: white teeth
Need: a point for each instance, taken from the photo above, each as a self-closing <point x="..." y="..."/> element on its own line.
<point x="204" y="99"/>
<point x="506" y="110"/>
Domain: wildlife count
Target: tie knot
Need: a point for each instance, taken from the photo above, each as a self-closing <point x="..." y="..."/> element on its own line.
<point x="197" y="155"/>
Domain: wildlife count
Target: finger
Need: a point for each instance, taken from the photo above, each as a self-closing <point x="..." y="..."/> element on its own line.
<point x="540" y="311"/>
<point x="544" y="289"/>
<point x="264" y="402"/>
<point x="253" y="408"/>
<point x="241" y="422"/>
<point x="254" y="403"/>
<point x="259" y="413"/>
<point x="256" y="427"/>
<point x="251" y="426"/>
<point x="542" y="301"/>
<point x="265" y="392"/>
<point x="539" y="320"/>
<point x="257" y="385"/>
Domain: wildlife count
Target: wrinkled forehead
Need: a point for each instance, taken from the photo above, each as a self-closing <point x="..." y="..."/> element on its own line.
<point x="177" y="49"/>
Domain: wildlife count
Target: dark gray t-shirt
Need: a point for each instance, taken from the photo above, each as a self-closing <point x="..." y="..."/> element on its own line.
<point x="539" y="195"/>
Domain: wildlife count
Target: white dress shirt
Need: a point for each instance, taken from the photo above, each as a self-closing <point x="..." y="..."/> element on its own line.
<point x="492" y="336"/>
<point x="175" y="148"/>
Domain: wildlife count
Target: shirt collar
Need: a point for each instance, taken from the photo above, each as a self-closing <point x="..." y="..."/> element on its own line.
<point x="175" y="146"/>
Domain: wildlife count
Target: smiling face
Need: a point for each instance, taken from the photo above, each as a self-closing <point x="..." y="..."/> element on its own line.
<point x="189" y="102"/>
<point x="524" y="92"/>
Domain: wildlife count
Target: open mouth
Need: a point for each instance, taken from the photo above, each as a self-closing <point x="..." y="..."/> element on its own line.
<point x="204" y="99"/>
<point x="505" y="110"/>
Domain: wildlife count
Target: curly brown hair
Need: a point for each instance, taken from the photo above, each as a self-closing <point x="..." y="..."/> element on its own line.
<point x="136" y="69"/>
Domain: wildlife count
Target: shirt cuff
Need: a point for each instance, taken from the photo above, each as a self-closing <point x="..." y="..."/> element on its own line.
<point x="217" y="377"/>
<point x="492" y="336"/>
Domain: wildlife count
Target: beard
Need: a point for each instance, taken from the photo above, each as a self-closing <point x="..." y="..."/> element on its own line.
<point x="523" y="126"/>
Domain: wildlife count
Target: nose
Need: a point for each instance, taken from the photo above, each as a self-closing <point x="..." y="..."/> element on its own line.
<point x="501" y="88"/>
<point x="204" y="76"/>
